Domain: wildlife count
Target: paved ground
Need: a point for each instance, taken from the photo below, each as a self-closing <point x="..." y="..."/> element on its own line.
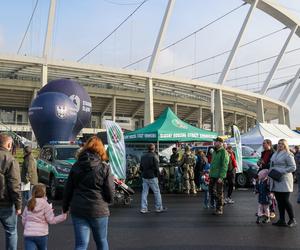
<point x="186" y="225"/>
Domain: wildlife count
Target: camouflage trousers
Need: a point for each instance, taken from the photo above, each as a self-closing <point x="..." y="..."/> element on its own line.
<point x="172" y="178"/>
<point x="188" y="180"/>
<point x="216" y="193"/>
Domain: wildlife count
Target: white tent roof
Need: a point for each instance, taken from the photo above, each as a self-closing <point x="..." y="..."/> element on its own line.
<point x="273" y="132"/>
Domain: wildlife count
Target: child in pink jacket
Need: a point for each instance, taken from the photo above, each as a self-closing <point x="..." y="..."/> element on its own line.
<point x="36" y="216"/>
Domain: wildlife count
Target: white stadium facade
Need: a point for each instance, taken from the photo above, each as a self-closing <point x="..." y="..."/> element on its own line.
<point x="135" y="98"/>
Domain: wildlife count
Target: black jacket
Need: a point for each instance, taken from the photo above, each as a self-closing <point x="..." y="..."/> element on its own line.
<point x="89" y="188"/>
<point x="9" y="167"/>
<point x="29" y="170"/>
<point x="149" y="165"/>
<point x="266" y="165"/>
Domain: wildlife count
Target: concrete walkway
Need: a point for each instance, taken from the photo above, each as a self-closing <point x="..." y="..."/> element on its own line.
<point x="186" y="225"/>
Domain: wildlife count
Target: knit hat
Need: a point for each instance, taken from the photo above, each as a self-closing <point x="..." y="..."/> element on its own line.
<point x="219" y="139"/>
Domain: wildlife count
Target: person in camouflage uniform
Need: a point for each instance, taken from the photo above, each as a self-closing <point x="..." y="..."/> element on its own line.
<point x="172" y="167"/>
<point x="188" y="163"/>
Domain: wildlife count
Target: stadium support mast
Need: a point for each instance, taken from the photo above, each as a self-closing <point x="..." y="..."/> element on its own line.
<point x="288" y="89"/>
<point x="218" y="111"/>
<point x="148" y="110"/>
<point x="48" y="40"/>
<point x="278" y="59"/>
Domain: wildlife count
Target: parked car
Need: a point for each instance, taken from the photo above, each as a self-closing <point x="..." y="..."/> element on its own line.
<point x="250" y="168"/>
<point x="54" y="164"/>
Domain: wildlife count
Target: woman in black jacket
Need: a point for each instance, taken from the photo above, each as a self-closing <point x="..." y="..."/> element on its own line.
<point x="88" y="191"/>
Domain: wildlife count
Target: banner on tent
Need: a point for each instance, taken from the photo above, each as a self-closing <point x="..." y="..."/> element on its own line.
<point x="238" y="145"/>
<point x="116" y="149"/>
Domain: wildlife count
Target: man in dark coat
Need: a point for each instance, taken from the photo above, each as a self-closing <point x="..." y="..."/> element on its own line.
<point x="29" y="172"/>
<point x="10" y="195"/>
<point x="150" y="171"/>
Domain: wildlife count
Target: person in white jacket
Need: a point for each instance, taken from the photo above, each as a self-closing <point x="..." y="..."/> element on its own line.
<point x="36" y="216"/>
<point x="282" y="161"/>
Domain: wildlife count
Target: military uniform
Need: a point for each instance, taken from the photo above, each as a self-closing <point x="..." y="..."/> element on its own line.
<point x="172" y="171"/>
<point x="188" y="165"/>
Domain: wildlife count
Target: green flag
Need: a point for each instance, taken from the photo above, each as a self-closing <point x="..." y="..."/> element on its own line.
<point x="116" y="149"/>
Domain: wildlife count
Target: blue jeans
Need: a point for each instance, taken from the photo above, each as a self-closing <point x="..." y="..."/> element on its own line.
<point x="153" y="184"/>
<point x="206" y="198"/>
<point x="25" y="196"/>
<point x="82" y="227"/>
<point x="8" y="219"/>
<point x="298" y="181"/>
<point x="36" y="242"/>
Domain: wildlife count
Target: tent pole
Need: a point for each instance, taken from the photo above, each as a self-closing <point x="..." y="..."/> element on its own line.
<point x="157" y="147"/>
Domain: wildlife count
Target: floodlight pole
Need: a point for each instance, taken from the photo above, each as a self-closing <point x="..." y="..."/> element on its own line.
<point x="218" y="111"/>
<point x="148" y="110"/>
<point x="48" y="40"/>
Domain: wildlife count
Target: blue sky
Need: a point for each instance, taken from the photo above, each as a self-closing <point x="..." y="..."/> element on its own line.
<point x="81" y="24"/>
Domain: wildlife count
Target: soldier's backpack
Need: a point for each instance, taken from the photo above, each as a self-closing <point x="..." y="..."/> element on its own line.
<point x="2" y="185"/>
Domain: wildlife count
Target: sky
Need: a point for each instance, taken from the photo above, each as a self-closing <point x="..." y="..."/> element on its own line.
<point x="80" y="25"/>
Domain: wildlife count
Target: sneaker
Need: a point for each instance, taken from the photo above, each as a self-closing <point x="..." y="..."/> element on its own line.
<point x="218" y="212"/>
<point x="292" y="223"/>
<point x="280" y="223"/>
<point x="272" y="215"/>
<point x="225" y="200"/>
<point x="161" y="210"/>
<point x="230" y="201"/>
<point x="266" y="220"/>
<point x="144" y="211"/>
<point x="258" y="220"/>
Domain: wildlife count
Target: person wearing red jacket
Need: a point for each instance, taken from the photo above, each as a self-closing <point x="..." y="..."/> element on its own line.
<point x="232" y="166"/>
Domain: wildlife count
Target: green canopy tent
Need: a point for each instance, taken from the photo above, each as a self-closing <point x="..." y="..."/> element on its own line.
<point x="169" y="128"/>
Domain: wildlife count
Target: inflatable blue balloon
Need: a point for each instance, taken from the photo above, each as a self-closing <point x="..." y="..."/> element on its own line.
<point x="78" y="95"/>
<point x="52" y="117"/>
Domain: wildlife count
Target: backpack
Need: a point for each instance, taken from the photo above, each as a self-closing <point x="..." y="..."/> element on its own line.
<point x="2" y="186"/>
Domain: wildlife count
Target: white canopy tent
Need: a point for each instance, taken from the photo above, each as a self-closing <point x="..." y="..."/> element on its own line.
<point x="273" y="132"/>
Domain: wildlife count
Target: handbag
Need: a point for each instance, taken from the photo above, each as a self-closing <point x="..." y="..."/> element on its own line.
<point x="275" y="175"/>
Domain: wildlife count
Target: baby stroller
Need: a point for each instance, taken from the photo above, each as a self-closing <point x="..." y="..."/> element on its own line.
<point x="122" y="193"/>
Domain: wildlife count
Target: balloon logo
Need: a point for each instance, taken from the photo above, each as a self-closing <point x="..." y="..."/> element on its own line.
<point x="60" y="110"/>
<point x="79" y="97"/>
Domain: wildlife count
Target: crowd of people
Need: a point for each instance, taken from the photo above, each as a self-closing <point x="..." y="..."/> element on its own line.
<point x="88" y="192"/>
<point x="273" y="182"/>
<point x="90" y="188"/>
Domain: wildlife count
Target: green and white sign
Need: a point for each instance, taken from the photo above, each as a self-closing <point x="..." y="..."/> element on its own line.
<point x="238" y="144"/>
<point x="116" y="149"/>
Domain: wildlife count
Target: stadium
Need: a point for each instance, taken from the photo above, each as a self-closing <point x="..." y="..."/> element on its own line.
<point x="134" y="98"/>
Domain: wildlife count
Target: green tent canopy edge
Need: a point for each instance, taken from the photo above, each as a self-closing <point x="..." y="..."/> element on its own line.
<point x="169" y="128"/>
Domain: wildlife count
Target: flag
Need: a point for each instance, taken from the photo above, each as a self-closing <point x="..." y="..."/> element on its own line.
<point x="238" y="145"/>
<point x="116" y="149"/>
